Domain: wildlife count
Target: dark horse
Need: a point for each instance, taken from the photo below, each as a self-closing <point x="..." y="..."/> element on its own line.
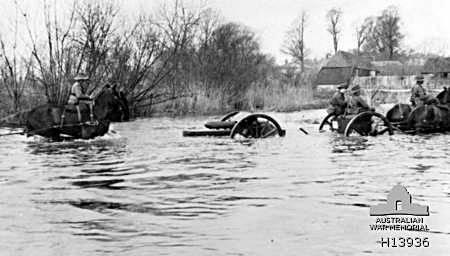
<point x="47" y="120"/>
<point x="399" y="113"/>
<point x="431" y="117"/>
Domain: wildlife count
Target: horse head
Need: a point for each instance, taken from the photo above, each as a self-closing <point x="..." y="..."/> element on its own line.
<point x="110" y="106"/>
<point x="444" y="96"/>
<point x="122" y="111"/>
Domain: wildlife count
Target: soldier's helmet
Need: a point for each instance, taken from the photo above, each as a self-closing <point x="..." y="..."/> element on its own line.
<point x="342" y="86"/>
<point x="419" y="78"/>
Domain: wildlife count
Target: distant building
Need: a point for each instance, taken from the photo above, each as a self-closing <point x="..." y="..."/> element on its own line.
<point x="389" y="67"/>
<point x="415" y="61"/>
<point x="438" y="67"/>
<point x="341" y="68"/>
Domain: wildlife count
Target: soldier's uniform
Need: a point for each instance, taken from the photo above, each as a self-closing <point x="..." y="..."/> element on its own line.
<point x="338" y="102"/>
<point x="356" y="104"/>
<point x="77" y="92"/>
<point x="77" y="96"/>
<point x="418" y="93"/>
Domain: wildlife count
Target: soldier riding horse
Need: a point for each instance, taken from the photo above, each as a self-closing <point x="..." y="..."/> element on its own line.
<point x="433" y="116"/>
<point x="81" y="121"/>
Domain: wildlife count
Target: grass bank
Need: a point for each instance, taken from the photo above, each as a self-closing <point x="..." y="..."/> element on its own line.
<point x="279" y="98"/>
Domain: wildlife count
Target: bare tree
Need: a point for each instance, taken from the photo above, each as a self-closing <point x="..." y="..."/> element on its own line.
<point x="294" y="45"/>
<point x="54" y="61"/>
<point x="210" y="20"/>
<point x="93" y="38"/>
<point x="334" y="17"/>
<point x="139" y="62"/>
<point x="148" y="61"/>
<point x="363" y="31"/>
<point x="178" y="26"/>
<point x="15" y="72"/>
<point x="385" y="38"/>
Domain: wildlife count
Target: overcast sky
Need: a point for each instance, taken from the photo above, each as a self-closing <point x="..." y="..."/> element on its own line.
<point x="424" y="23"/>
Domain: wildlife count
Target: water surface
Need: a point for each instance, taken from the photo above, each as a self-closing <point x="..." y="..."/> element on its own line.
<point x="146" y="190"/>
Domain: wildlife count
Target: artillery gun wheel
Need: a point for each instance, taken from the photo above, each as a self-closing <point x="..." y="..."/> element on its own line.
<point x="328" y="121"/>
<point x="369" y="123"/>
<point x="257" y="126"/>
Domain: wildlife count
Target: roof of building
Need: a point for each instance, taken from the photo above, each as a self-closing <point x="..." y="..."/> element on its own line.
<point x="388" y="67"/>
<point x="339" y="68"/>
<point x="436" y="65"/>
<point x="332" y="75"/>
<point x="345" y="59"/>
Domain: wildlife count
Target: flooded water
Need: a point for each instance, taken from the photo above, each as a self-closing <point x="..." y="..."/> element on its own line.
<point x="146" y="190"/>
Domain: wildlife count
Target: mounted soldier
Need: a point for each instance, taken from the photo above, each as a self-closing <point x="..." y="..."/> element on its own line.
<point x="78" y="96"/>
<point x="337" y="101"/>
<point x="356" y="104"/>
<point x="419" y="94"/>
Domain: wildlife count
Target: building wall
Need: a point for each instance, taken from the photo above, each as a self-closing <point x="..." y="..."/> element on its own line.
<point x="395" y="89"/>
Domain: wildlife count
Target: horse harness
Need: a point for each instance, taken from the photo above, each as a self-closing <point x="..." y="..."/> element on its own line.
<point x="91" y="122"/>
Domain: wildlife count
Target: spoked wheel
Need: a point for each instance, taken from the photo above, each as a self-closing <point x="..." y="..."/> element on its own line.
<point x="369" y="123"/>
<point x="328" y="122"/>
<point x="228" y="116"/>
<point x="257" y="126"/>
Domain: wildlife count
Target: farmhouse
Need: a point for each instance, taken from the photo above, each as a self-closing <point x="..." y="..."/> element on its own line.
<point x="438" y="67"/>
<point x="341" y="68"/>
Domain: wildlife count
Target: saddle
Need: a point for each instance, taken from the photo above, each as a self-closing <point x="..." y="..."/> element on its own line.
<point x="73" y="108"/>
<point x="79" y="110"/>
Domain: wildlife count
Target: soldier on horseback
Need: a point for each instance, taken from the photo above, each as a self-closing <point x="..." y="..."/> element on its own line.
<point x="78" y="95"/>
<point x="419" y="94"/>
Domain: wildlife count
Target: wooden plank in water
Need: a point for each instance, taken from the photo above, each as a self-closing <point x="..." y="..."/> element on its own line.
<point x="194" y="133"/>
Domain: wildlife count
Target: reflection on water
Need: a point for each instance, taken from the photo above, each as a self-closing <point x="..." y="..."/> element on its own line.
<point x="152" y="191"/>
<point x="342" y="144"/>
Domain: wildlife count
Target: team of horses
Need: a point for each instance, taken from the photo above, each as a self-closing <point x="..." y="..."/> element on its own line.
<point x="432" y="116"/>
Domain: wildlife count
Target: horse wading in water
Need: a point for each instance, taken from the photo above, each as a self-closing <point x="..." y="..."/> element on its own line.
<point x="429" y="117"/>
<point x="435" y="117"/>
<point x="52" y="121"/>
